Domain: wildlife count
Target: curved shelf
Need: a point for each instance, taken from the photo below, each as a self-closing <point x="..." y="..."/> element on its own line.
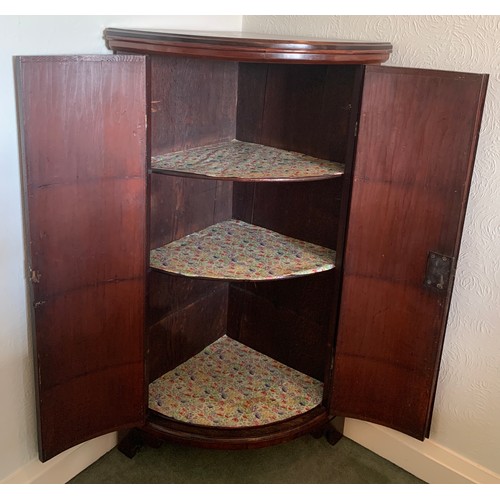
<point x="245" y="161"/>
<point x="231" y="385"/>
<point x="237" y="251"/>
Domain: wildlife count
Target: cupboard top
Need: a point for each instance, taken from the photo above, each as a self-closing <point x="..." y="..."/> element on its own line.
<point x="249" y="47"/>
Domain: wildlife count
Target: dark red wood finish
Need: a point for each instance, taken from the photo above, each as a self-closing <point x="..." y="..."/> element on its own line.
<point x="240" y="46"/>
<point x="193" y="102"/>
<point x="195" y="323"/>
<point x="306" y="109"/>
<point x="287" y="320"/>
<point x="418" y="133"/>
<point x="185" y="315"/>
<point x="180" y="206"/>
<point x="298" y="108"/>
<point x="85" y="148"/>
<point x="84" y="162"/>
<point x="234" y="439"/>
<point x="307" y="211"/>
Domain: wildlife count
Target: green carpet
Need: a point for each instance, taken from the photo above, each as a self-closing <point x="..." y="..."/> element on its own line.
<point x="304" y="460"/>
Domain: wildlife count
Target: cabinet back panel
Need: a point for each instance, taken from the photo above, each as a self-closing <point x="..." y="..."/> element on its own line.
<point x="296" y="107"/>
<point x="168" y="293"/>
<point x="287" y="320"/>
<point x="180" y="206"/>
<point x="180" y="308"/>
<point x="193" y="102"/>
<point x="185" y="331"/>
<point x="304" y="210"/>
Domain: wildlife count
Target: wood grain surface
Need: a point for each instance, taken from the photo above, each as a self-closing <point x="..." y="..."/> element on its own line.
<point x="84" y="162"/>
<point x="418" y="133"/>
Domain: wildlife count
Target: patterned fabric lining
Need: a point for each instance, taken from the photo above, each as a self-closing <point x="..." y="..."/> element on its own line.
<point x="244" y="160"/>
<point x="230" y="385"/>
<point x="235" y="250"/>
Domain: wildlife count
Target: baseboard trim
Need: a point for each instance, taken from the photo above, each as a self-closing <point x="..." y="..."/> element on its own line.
<point x="426" y="460"/>
<point x="65" y="466"/>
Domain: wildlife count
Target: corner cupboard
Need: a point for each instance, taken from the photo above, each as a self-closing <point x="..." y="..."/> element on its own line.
<point x="233" y="238"/>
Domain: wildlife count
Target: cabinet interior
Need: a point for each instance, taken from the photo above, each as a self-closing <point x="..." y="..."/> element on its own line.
<point x="302" y="108"/>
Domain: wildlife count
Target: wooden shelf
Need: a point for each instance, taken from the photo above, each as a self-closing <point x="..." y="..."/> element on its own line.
<point x="238" y="251"/>
<point x="245" y="161"/>
<point x="230" y="385"/>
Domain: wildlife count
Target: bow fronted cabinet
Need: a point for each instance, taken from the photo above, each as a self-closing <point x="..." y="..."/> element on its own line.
<point x="233" y="239"/>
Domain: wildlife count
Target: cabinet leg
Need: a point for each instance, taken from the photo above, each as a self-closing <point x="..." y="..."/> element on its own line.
<point x="317" y="434"/>
<point x="333" y="436"/>
<point x="335" y="429"/>
<point x="151" y="441"/>
<point x="131" y="443"/>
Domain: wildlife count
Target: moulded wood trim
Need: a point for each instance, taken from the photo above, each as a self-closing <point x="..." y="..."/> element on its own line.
<point x="247" y="47"/>
<point x="236" y="438"/>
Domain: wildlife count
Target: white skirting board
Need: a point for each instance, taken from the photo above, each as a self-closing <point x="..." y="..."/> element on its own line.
<point x="426" y="460"/>
<point x="65" y="466"/>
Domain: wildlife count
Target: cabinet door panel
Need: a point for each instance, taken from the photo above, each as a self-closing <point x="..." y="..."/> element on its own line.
<point x="83" y="124"/>
<point x="418" y="133"/>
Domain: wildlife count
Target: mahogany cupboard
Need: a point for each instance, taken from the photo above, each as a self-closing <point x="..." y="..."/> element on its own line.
<point x="233" y="239"/>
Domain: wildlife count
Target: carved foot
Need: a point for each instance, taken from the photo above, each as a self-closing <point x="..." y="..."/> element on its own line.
<point x="151" y="441"/>
<point x="317" y="434"/>
<point x="333" y="436"/>
<point x="131" y="443"/>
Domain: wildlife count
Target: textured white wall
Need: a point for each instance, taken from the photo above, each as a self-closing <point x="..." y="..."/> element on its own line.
<point x="22" y="35"/>
<point x="467" y="409"/>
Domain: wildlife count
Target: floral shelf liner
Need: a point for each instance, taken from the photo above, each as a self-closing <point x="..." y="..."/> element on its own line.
<point x="245" y="160"/>
<point x="231" y="385"/>
<point x="236" y="250"/>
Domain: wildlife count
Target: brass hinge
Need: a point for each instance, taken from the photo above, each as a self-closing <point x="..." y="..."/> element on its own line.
<point x="35" y="276"/>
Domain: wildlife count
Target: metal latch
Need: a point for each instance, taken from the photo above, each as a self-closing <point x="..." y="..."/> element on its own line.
<point x="438" y="271"/>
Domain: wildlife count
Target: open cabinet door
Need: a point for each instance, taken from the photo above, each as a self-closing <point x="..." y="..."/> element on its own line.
<point x="418" y="132"/>
<point x="83" y="128"/>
